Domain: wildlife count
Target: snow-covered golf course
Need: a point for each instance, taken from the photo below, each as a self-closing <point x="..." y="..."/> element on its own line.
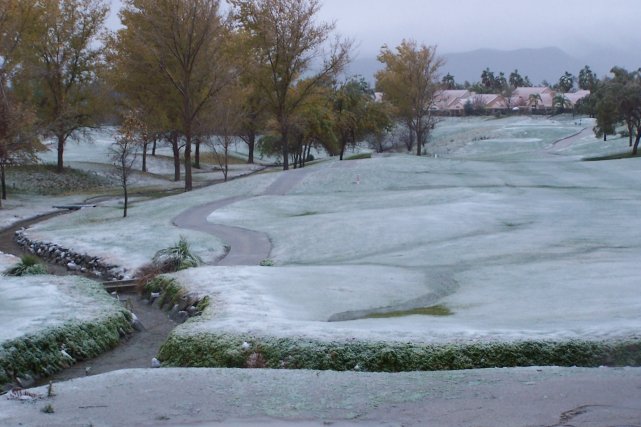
<point x="503" y="235"/>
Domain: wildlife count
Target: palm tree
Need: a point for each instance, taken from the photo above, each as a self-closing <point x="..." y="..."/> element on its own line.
<point x="561" y="102"/>
<point x="533" y="100"/>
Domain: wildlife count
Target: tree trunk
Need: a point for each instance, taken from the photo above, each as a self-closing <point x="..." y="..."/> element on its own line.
<point x="630" y="133"/>
<point x="226" y="158"/>
<point x="251" y="143"/>
<point x="419" y="141"/>
<point x="188" y="180"/>
<point x="410" y="137"/>
<point x="605" y="136"/>
<point x="124" y="212"/>
<point x="284" y="131"/>
<point x="342" y="152"/>
<point x="144" y="157"/>
<point x="197" y="154"/>
<point x="636" y="144"/>
<point x="309" y="150"/>
<point x="61" y="149"/>
<point x="153" y="147"/>
<point x="3" y="183"/>
<point x="176" y="151"/>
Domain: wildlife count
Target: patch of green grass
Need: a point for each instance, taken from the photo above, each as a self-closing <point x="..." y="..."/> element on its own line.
<point x="359" y="156"/>
<point x="44" y="180"/>
<point x="435" y="310"/>
<point x="306" y="213"/>
<point x="169" y="289"/>
<point x="29" y="265"/>
<point x="39" y="355"/>
<point x="619" y="156"/>
<point x="227" y="350"/>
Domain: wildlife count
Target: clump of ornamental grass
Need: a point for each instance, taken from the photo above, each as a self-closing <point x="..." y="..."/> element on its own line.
<point x="168" y="260"/>
<point x="179" y="256"/>
<point x="29" y="265"/>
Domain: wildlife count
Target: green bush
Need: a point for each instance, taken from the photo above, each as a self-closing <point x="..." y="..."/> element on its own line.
<point x="28" y="265"/>
<point x="179" y="256"/>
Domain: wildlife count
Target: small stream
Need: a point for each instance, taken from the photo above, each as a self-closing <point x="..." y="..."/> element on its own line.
<point x="135" y="350"/>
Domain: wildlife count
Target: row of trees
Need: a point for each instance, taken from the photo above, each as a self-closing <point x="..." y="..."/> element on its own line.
<point x="490" y="82"/>
<point x="616" y="101"/>
<point x="185" y="72"/>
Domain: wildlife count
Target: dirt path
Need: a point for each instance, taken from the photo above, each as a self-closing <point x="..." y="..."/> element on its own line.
<point x="134" y="351"/>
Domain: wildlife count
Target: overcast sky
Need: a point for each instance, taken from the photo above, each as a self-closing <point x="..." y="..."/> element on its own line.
<point x="576" y="26"/>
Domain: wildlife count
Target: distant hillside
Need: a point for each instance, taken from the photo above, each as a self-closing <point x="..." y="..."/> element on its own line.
<point x="538" y="64"/>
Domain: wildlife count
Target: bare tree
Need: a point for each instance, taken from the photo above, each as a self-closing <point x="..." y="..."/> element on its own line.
<point x="124" y="152"/>
<point x="227" y="118"/>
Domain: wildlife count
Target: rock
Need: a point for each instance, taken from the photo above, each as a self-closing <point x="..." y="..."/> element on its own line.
<point x="138" y="326"/>
<point x="72" y="266"/>
<point x="182" y="316"/>
<point x="25" y="381"/>
<point x="155" y="363"/>
<point x="136" y="323"/>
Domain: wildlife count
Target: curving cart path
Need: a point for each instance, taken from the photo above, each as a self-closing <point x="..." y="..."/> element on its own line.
<point x="245" y="247"/>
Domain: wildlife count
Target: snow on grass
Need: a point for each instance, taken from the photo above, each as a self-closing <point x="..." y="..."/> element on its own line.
<point x="93" y="154"/>
<point x="131" y="242"/>
<point x="31" y="303"/>
<point x="20" y="207"/>
<point x="513" y="235"/>
<point x="514" y="249"/>
<point x="7" y="260"/>
<point x="41" y="315"/>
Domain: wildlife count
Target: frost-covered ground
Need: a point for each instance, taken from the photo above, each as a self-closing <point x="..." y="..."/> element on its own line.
<point x="93" y="154"/>
<point x="31" y="304"/>
<point x="505" y="230"/>
<point x="528" y="242"/>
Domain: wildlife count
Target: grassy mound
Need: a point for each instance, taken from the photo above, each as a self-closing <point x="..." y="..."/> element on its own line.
<point x="211" y="350"/>
<point x="40" y="355"/>
<point x="77" y="337"/>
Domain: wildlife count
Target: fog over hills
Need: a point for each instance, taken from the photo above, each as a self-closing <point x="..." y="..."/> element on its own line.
<point x="538" y="64"/>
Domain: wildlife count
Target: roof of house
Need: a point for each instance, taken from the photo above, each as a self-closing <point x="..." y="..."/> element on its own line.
<point x="527" y="91"/>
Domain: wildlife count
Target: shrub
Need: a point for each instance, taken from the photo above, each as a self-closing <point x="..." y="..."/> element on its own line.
<point x="170" y="291"/>
<point x="177" y="257"/>
<point x="28" y="265"/>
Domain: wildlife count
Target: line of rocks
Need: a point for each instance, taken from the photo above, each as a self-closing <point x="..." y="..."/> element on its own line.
<point x="87" y="264"/>
<point x="73" y="261"/>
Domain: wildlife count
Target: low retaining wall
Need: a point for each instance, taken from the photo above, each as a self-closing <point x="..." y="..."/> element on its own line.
<point x="57" y="254"/>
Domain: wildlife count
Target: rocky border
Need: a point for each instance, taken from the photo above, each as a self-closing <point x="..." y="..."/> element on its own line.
<point x="73" y="261"/>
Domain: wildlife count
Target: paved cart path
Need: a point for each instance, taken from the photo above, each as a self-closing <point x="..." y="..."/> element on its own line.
<point x="245" y="247"/>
